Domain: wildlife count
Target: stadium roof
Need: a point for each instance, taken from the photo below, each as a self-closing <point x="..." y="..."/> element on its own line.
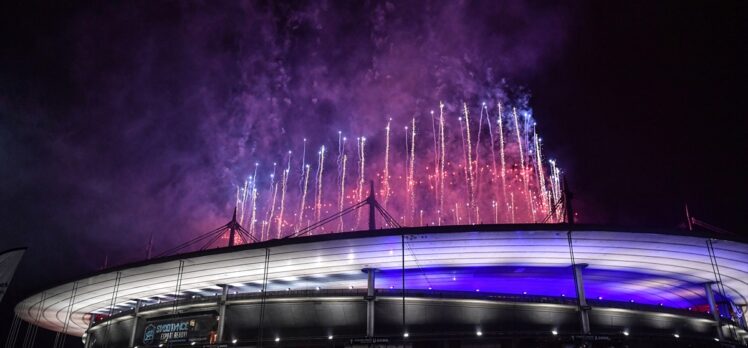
<point x="646" y="266"/>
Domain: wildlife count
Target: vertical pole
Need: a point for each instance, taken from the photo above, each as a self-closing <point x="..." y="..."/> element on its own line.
<point x="88" y="331"/>
<point x="372" y="202"/>
<point x="402" y="250"/>
<point x="150" y="247"/>
<point x="567" y="203"/>
<point x="232" y="229"/>
<point x="581" y="298"/>
<point x="115" y="292"/>
<point x="713" y="308"/>
<point x="370" y="297"/>
<point x="261" y="322"/>
<point x="135" y="318"/>
<point x="222" y="312"/>
<point x="576" y="268"/>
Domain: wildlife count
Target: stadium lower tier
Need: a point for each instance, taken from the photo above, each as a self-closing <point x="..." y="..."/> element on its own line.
<point x="338" y="318"/>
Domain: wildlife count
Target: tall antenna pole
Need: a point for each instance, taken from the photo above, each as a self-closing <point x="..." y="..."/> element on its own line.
<point x="150" y="247"/>
<point x="232" y="229"/>
<point x="567" y="204"/>
<point x="372" y="202"/>
<point x="584" y="308"/>
<point x="688" y="219"/>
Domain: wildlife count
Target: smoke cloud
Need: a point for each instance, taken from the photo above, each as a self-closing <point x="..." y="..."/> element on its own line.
<point x="164" y="109"/>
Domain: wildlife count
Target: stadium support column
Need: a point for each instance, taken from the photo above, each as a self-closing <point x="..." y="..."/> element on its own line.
<point x="584" y="309"/>
<point x="370" y="297"/>
<point x="222" y="313"/>
<point x="713" y="308"/>
<point x="134" y="323"/>
<point x="87" y="343"/>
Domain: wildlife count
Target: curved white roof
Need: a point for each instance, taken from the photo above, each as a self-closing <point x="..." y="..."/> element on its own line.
<point x="655" y="267"/>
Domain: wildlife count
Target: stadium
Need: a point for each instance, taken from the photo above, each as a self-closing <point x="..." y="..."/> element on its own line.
<point x="469" y="271"/>
<point x="548" y="285"/>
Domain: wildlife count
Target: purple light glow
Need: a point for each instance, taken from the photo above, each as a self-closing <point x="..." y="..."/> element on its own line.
<point x="601" y="285"/>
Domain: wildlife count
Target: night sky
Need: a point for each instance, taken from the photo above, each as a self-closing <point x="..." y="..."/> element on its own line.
<point x="122" y="119"/>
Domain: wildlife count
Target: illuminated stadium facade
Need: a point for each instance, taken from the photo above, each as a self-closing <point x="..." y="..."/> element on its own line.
<point x="482" y="285"/>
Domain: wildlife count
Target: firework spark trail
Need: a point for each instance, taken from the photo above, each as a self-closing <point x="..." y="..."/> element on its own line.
<point x="241" y="199"/>
<point x="412" y="168"/>
<point x="406" y="177"/>
<point x="494" y="172"/>
<point x="271" y="209"/>
<point x="303" y="164"/>
<point x="478" y="169"/>
<point x="495" y="212"/>
<point x="253" y="200"/>
<point x="318" y="193"/>
<point x="284" y="187"/>
<point x="532" y="207"/>
<point x="464" y="158"/>
<point x="303" y="196"/>
<point x="522" y="169"/>
<point x="469" y="164"/>
<point x="556" y="182"/>
<point x="283" y="201"/>
<point x="555" y="186"/>
<point x="441" y="160"/>
<point x="386" y="175"/>
<point x="511" y="206"/>
<point x="436" y="159"/>
<point x="361" y="176"/>
<point x="342" y="191"/>
<point x="253" y="219"/>
<point x="456" y="199"/>
<point x="539" y="170"/>
<point x="271" y="216"/>
<point x="340" y="149"/>
<point x="501" y="152"/>
<point x="560" y="190"/>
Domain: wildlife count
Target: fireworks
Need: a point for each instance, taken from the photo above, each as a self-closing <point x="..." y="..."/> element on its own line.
<point x="386" y="175"/>
<point x="461" y="173"/>
<point x="318" y="193"/>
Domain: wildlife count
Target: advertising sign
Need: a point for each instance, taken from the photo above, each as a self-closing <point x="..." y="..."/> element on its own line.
<point x="197" y="328"/>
